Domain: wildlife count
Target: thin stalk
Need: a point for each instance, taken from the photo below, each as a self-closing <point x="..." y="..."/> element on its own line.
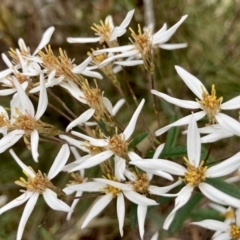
<point x="62" y="103"/>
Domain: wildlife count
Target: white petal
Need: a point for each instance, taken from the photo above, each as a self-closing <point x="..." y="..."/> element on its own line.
<point x="162" y="37"/>
<point x="115" y="49"/>
<point x="107" y="103"/>
<point x="93" y="141"/>
<point x="127" y="19"/>
<point x="45" y="39"/>
<point x="24" y="167"/>
<point x="231" y="104"/>
<point x="16" y="202"/>
<point x="92" y="74"/>
<point x="82" y="66"/>
<point x="173" y="46"/>
<point x="193" y="143"/>
<point x="141" y="213"/>
<point x="83" y="40"/>
<point x="160" y="164"/>
<point x="119" y="166"/>
<point x="10" y="139"/>
<point x="97" y="207"/>
<point x="180" y="122"/>
<point x="158" y="151"/>
<point x="26" y="213"/>
<point x="117" y="32"/>
<point x="213" y="225"/>
<point x="122" y="186"/>
<point x="34" y="144"/>
<point x="131" y="126"/>
<point x="74" y="203"/>
<point x="121" y="55"/>
<point x="59" y="161"/>
<point x="53" y="202"/>
<point x="237" y="213"/>
<point x="155" y="236"/>
<point x="88" y="187"/>
<point x="26" y="104"/>
<point x="7" y="61"/>
<point x="6" y="92"/>
<point x="94" y="160"/>
<point x="120" y="212"/>
<point x="74" y="91"/>
<point x="158" y="173"/>
<point x="43" y="99"/>
<point x="5" y="73"/>
<point x="194" y="84"/>
<point x="217" y="196"/>
<point x="224" y="168"/>
<point x="77" y="143"/>
<point x="183" y="197"/>
<point x="133" y="156"/>
<point x="117" y="106"/>
<point x="176" y="101"/>
<point x="228" y="123"/>
<point x="139" y="199"/>
<point x="81" y="119"/>
<point x="129" y="62"/>
<point x="161" y="190"/>
<point x="70" y="166"/>
<point x="215" y="136"/>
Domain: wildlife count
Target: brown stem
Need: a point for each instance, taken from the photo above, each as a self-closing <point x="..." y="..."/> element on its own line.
<point x="62" y="103"/>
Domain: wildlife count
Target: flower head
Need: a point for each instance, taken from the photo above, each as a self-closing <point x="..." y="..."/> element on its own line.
<point x="36" y="184"/>
<point x="210" y="104"/>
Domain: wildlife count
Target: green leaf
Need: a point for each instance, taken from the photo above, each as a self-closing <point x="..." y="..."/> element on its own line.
<point x="138" y="139"/>
<point x="222" y="186"/>
<point x="172" y="134"/>
<point x="184" y="212"/>
<point x="174" y="152"/>
<point x="133" y="215"/>
<point x="103" y="126"/>
<point x="197" y="215"/>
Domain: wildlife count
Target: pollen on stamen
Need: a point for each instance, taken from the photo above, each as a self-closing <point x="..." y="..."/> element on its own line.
<point x="143" y="44"/>
<point x="141" y="184"/>
<point x="110" y="189"/>
<point x="235" y="232"/>
<point x="194" y="175"/>
<point x="118" y="145"/>
<point x="35" y="184"/>
<point x="210" y="104"/>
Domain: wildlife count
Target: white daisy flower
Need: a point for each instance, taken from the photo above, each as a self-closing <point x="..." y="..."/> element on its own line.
<point x="112" y="187"/>
<point x="225" y="230"/>
<point x="144" y="42"/>
<point x="116" y="145"/>
<point x="24" y="120"/>
<point x="210" y="105"/>
<point x="106" y="32"/>
<point x="195" y="173"/>
<point x="37" y="184"/>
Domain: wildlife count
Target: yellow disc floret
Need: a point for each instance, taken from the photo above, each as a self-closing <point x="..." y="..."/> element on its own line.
<point x="194" y="175"/>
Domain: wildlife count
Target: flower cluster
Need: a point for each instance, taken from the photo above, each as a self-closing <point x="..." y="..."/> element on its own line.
<point x="101" y="141"/>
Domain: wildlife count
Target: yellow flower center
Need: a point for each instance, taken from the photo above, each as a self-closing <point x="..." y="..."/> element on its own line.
<point x="4" y="122"/>
<point x="210" y="104"/>
<point x="62" y="64"/>
<point x="118" y="146"/>
<point x="141" y="184"/>
<point x="110" y="189"/>
<point x="143" y="44"/>
<point x="194" y="175"/>
<point x="104" y="31"/>
<point x="235" y="232"/>
<point x="35" y="184"/>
